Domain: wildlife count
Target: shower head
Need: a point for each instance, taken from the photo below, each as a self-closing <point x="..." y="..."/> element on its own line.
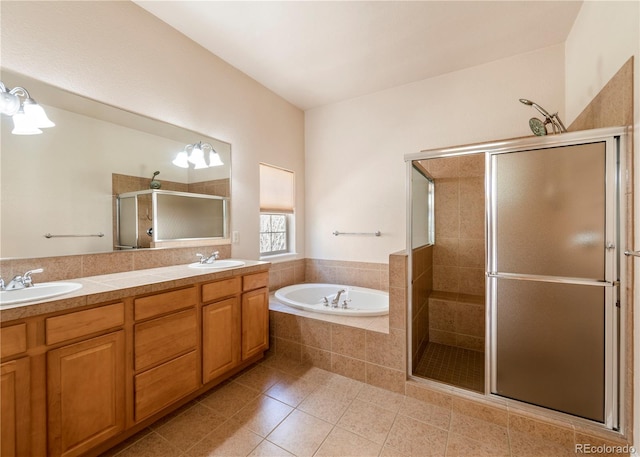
<point x="552" y="119"/>
<point x="536" y="106"/>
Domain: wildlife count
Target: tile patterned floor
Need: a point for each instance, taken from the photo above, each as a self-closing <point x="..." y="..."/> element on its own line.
<point x="280" y="407"/>
<point x="452" y="365"/>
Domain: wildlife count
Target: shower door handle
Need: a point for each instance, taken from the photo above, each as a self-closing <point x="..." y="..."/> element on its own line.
<point x="632" y="253"/>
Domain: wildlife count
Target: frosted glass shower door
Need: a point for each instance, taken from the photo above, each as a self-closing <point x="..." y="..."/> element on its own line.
<point x="551" y="288"/>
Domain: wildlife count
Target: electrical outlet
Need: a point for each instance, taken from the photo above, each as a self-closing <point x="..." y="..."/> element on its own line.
<point x="235" y="237"/>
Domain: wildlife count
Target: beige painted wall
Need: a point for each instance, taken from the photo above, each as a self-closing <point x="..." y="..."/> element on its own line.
<point x="604" y="36"/>
<point x="117" y="53"/>
<point x="356" y="148"/>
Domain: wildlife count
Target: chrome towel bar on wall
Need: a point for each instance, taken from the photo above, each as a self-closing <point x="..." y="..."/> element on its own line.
<point x="49" y="235"/>
<point x="376" y="233"/>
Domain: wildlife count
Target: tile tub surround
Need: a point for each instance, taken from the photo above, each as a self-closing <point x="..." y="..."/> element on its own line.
<point x="371" y="349"/>
<point x="283" y="407"/>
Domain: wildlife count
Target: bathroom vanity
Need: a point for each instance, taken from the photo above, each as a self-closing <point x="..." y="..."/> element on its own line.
<point x="82" y="372"/>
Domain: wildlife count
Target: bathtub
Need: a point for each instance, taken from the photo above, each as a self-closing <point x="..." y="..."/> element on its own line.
<point x="310" y="297"/>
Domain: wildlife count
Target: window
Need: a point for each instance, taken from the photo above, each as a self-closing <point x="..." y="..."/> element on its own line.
<point x="277" y="199"/>
<point x="273" y="234"/>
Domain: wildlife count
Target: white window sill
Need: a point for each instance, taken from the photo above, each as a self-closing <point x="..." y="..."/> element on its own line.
<point x="276" y="258"/>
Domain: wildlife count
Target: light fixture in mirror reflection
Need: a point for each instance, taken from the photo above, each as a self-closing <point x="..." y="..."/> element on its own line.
<point x="65" y="182"/>
<point x="194" y="154"/>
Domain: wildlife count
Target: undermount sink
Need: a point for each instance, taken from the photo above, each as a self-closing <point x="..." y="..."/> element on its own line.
<point x="40" y="291"/>
<point x="218" y="264"/>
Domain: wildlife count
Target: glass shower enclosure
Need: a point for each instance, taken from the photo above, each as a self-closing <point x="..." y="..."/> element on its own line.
<point x="555" y="277"/>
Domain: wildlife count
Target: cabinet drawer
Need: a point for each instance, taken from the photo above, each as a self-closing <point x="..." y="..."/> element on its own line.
<point x="220" y="289"/>
<point x="165" y="337"/>
<point x="14" y="340"/>
<point x="83" y="323"/>
<point x="255" y="281"/>
<point x="164" y="384"/>
<point x="163" y="303"/>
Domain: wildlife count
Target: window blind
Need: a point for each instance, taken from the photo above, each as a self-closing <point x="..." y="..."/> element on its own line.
<point x="276" y="189"/>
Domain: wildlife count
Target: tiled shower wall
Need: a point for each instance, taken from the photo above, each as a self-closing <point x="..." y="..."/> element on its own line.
<point x="454" y="314"/>
<point x="458" y="254"/>
<point x="422" y="285"/>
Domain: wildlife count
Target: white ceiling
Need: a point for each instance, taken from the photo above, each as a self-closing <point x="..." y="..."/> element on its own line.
<point x="317" y="52"/>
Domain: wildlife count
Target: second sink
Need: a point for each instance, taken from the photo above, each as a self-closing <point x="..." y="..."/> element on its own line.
<point x="218" y="264"/>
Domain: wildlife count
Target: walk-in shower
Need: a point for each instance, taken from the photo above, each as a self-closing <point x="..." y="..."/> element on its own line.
<point x="517" y="281"/>
<point x="448" y="270"/>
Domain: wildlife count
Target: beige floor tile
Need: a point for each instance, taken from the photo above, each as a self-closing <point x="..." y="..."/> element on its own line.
<point x="381" y="397"/>
<point x="426" y="412"/>
<point x="228" y="440"/>
<point x="282" y="363"/>
<point x="268" y="449"/>
<point x="300" y="433"/>
<point x="415" y="438"/>
<point x="262" y="415"/>
<point x="341" y="442"/>
<point x="191" y="426"/>
<point x="461" y="446"/>
<point x="345" y="386"/>
<point x="388" y="451"/>
<point x="152" y="445"/>
<point x="533" y="445"/>
<point x="326" y="404"/>
<point x="311" y="373"/>
<point x="260" y="378"/>
<point x="291" y="390"/>
<point x="492" y="435"/>
<point x="229" y="399"/>
<point x="367" y="420"/>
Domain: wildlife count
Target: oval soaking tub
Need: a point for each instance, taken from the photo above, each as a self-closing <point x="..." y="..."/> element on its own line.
<point x="311" y="297"/>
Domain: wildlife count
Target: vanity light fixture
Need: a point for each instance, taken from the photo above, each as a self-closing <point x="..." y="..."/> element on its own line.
<point x="28" y="116"/>
<point x="195" y="154"/>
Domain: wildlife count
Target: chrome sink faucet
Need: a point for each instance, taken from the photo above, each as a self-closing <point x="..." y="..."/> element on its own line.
<point x="20" y="281"/>
<point x="215" y="255"/>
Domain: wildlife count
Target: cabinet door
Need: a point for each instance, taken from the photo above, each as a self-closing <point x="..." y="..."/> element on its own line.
<point x="15" y="407"/>
<point x="220" y="338"/>
<point x="255" y="322"/>
<point x="86" y="393"/>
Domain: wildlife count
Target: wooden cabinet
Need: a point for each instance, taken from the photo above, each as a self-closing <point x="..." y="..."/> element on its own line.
<point x="161" y="386"/>
<point x="15" y="407"/>
<point x="86" y="393"/>
<point x="166" y="350"/>
<point x="79" y="381"/>
<point x="255" y="322"/>
<point x="220" y="338"/>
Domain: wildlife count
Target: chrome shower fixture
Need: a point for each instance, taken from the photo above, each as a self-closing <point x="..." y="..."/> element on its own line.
<point x="539" y="127"/>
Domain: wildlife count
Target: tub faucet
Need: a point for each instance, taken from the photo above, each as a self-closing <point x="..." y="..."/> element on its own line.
<point x="336" y="300"/>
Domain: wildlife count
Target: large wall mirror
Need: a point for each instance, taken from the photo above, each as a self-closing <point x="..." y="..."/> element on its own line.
<point x="63" y="182"/>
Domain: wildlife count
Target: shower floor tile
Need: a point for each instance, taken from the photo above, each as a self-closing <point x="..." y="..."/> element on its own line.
<point x="452" y="365"/>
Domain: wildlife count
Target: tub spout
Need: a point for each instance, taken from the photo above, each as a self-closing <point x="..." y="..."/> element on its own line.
<point x="336" y="300"/>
